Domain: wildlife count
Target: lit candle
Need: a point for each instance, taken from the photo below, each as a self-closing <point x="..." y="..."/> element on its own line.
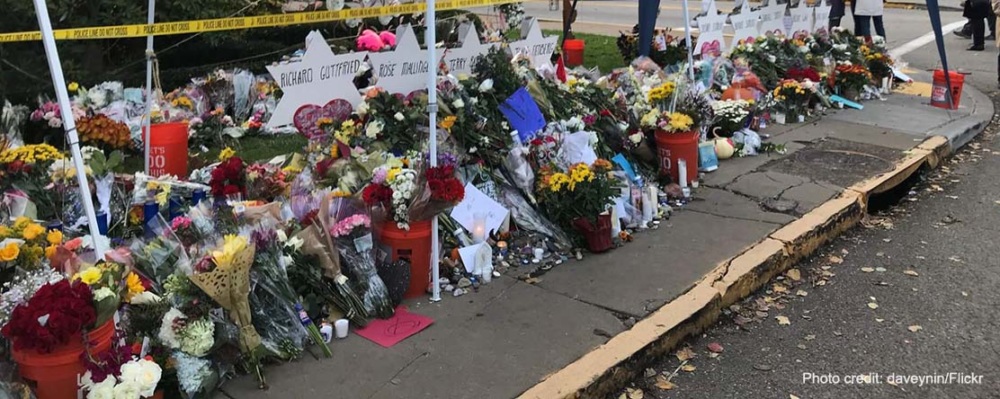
<point x="479" y="228"/>
<point x="502" y="247"/>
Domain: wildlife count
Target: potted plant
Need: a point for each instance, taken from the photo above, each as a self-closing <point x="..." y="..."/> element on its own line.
<point x="579" y="198"/>
<point x="851" y="79"/>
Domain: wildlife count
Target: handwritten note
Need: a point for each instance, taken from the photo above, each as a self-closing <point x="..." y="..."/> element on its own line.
<point x="523" y="114"/>
<point x="476" y="201"/>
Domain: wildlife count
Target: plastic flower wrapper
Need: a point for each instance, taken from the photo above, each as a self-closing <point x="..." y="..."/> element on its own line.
<point x="229" y="285"/>
<point x="437" y="190"/>
<point x="348" y="223"/>
<point x="22" y="287"/>
<point x="161" y="256"/>
<point x="272" y="299"/>
<point x="105" y="281"/>
<point x="527" y="218"/>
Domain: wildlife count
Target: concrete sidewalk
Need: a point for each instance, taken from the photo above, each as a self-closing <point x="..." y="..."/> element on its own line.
<point x="503" y="340"/>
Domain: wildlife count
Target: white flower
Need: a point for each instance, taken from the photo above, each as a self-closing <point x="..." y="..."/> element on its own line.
<point x="592" y="138"/>
<point x="486" y="85"/>
<point x="55" y="122"/>
<point x="635" y="138"/>
<point x="127" y="390"/>
<point x="103" y="293"/>
<point x="295" y="243"/>
<point x="145" y="298"/>
<point x="282" y="237"/>
<point x="103" y="390"/>
<point x="143" y="373"/>
<point x="373" y="129"/>
<point x="474" y="100"/>
<point x="458" y="103"/>
<point x="399" y="116"/>
<point x="362" y="109"/>
<point x="167" y="334"/>
<point x="772" y="58"/>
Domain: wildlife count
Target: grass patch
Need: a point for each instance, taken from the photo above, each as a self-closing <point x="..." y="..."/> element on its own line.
<point x="600" y="50"/>
<point x="251" y="149"/>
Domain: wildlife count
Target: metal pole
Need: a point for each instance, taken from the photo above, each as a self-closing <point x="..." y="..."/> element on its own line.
<point x="55" y="67"/>
<point x="147" y="118"/>
<point x="430" y="39"/>
<point x="687" y="38"/>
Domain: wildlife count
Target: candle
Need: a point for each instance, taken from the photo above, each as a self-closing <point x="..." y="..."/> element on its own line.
<point x="479" y="228"/>
<point x="341" y="327"/>
<point x="682" y="172"/>
<point x="502" y="247"/>
<point x="538" y="253"/>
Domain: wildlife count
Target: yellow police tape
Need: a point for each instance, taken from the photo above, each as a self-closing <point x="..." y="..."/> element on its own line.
<point x="222" y="24"/>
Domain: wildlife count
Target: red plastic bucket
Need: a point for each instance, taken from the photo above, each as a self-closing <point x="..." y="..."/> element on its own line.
<point x="168" y="149"/>
<point x="939" y="96"/>
<point x="54" y="375"/>
<point x="414" y="246"/>
<point x="672" y="147"/>
<point x="574" y="52"/>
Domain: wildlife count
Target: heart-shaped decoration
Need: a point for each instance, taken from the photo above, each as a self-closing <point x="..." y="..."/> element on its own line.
<point x="307" y="117"/>
<point x="712" y="48"/>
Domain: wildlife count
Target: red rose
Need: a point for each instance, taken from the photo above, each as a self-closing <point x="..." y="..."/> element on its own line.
<point x="51" y="317"/>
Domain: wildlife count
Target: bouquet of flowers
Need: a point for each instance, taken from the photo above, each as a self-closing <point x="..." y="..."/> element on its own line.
<point x="67" y="308"/>
<point x="731" y="115"/>
<point x="133" y="379"/>
<point x="211" y="128"/>
<point x="392" y="188"/>
<point x="438" y="189"/>
<point x="791" y="96"/>
<point x="669" y="122"/>
<point x="104" y="132"/>
<point x="26" y="170"/>
<point x="229" y="178"/>
<point x="24" y="244"/>
<point x="880" y="64"/>
<point x="581" y="192"/>
<point x="350" y="227"/>
<point x="266" y="182"/>
<point x="852" y="78"/>
<point x="23" y="287"/>
<point x="391" y="120"/>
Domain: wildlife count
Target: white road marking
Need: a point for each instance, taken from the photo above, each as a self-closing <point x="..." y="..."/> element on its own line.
<point x="921" y="41"/>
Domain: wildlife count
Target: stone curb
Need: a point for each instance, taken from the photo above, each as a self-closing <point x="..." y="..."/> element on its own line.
<point x="609" y="367"/>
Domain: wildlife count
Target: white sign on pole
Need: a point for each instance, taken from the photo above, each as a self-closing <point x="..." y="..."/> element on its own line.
<point x="744" y="25"/>
<point x="317" y="79"/>
<point x="710" y="25"/>
<point x="460" y="59"/>
<point x="403" y="70"/>
<point x="537" y="47"/>
<point x="821" y="18"/>
<point x="772" y="19"/>
<point x="802" y="20"/>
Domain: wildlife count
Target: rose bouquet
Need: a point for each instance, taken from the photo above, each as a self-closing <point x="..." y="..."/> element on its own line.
<point x="852" y="78"/>
<point x="351" y="229"/>
<point x="229" y="179"/>
<point x="438" y="189"/>
<point x="55" y="314"/>
<point x="133" y="379"/>
<point x="392" y="188"/>
<point x="23" y="287"/>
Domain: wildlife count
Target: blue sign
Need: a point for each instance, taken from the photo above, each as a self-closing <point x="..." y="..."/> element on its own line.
<point x="523" y="114"/>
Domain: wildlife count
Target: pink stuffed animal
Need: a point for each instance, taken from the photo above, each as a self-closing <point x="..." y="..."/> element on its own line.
<point x="371" y="41"/>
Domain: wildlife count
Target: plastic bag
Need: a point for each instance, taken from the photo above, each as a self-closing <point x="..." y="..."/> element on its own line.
<point x="527" y="218"/>
<point x="272" y="298"/>
<point x="519" y="171"/>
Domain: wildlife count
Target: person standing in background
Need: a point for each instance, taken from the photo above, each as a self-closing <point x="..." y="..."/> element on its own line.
<point x="977" y="11"/>
<point x="866" y="12"/>
<point x="837" y="10"/>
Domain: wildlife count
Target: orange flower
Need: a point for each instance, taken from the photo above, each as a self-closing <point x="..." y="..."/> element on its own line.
<point x="602" y="164"/>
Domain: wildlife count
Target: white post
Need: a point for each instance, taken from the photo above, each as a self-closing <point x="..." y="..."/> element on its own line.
<point x="430" y="39"/>
<point x="52" y="54"/>
<point x="687" y="35"/>
<point x="148" y="116"/>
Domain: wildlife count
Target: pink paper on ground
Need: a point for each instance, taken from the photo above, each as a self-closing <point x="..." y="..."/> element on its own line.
<point x="394" y="330"/>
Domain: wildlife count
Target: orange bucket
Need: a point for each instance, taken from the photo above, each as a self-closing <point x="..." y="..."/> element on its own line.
<point x="413" y="246"/>
<point x="54" y="375"/>
<point x="168" y="149"/>
<point x="672" y="147"/>
<point x="574" y="52"/>
<point x="939" y="93"/>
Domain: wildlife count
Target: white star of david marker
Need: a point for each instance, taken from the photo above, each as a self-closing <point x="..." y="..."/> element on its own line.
<point x="403" y="70"/>
<point x="538" y="48"/>
<point x="320" y="77"/>
<point x="460" y="59"/>
<point x="744" y="24"/>
<point x="802" y="20"/>
<point x="710" y="25"/>
<point x="772" y="19"/>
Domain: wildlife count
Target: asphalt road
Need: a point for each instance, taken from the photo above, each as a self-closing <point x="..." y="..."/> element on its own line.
<point x="912" y="293"/>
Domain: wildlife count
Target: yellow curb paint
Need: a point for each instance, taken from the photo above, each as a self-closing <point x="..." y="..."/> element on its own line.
<point x="920" y="89"/>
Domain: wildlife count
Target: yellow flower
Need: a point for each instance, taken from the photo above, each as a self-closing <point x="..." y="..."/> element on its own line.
<point x="21" y="222"/>
<point x="557" y="181"/>
<point x="324" y="122"/>
<point x="90" y="276"/>
<point x="9" y="252"/>
<point x="32" y="231"/>
<point x="680" y="122"/>
<point x="50" y="251"/>
<point x="231" y="246"/>
<point x="391" y="175"/>
<point x="55" y="237"/>
<point x="448" y="122"/>
<point x="134" y="284"/>
<point x="4" y="231"/>
<point x="73" y="87"/>
<point x="226" y="153"/>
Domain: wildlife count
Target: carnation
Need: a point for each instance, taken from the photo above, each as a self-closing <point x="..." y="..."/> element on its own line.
<point x="168" y="333"/>
<point x="197" y="337"/>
